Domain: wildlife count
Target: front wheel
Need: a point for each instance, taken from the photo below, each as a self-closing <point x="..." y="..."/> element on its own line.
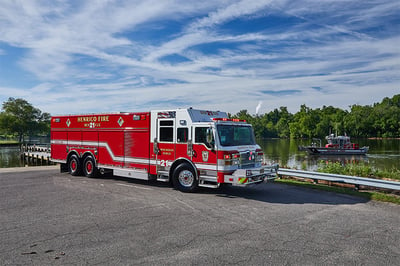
<point x="184" y="178"/>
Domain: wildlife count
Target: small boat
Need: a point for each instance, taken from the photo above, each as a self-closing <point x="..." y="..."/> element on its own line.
<point x="337" y="145"/>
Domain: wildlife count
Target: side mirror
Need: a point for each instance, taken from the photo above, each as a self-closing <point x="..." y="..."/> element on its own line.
<point x="156" y="150"/>
<point x="210" y="138"/>
<point x="190" y="148"/>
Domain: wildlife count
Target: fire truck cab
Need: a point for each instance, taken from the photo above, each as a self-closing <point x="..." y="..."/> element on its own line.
<point x="188" y="147"/>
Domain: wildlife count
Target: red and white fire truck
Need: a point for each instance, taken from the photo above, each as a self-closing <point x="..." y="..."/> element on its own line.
<point x="192" y="148"/>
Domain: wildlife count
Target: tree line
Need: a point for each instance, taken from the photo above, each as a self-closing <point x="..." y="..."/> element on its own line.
<point x="20" y="118"/>
<point x="377" y="120"/>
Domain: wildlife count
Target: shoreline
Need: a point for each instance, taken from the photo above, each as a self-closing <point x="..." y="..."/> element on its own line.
<point x="380" y="138"/>
<point x="28" y="168"/>
<point x="10" y="144"/>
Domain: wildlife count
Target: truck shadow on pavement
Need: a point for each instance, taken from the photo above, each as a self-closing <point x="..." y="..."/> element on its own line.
<point x="269" y="193"/>
<point x="286" y="194"/>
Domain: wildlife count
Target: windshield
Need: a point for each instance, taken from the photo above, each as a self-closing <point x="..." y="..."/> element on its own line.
<point x="235" y="135"/>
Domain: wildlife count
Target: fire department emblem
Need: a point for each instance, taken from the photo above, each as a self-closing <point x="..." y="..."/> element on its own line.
<point x="205" y="156"/>
<point x="120" y="121"/>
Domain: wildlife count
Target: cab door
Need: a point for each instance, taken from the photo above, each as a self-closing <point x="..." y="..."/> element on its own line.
<point x="183" y="142"/>
<point x="204" y="153"/>
<point x="165" y="143"/>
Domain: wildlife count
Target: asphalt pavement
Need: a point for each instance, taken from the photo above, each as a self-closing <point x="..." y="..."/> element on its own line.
<point x="52" y="218"/>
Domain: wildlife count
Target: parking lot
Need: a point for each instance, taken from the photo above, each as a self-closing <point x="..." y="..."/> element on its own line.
<point x="48" y="217"/>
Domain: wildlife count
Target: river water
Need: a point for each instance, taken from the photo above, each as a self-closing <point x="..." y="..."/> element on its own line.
<point x="383" y="154"/>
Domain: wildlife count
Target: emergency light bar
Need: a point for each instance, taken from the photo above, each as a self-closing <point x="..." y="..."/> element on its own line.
<point x="139" y="117"/>
<point x="229" y="120"/>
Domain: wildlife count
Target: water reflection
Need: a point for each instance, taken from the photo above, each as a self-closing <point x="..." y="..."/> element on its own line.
<point x="9" y="156"/>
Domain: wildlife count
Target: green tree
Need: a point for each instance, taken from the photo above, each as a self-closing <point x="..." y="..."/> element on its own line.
<point x="244" y="115"/>
<point x="304" y="122"/>
<point x="360" y="122"/>
<point x="20" y="118"/>
<point x="380" y="120"/>
<point x="387" y="117"/>
<point x="282" y="126"/>
<point x="331" y="120"/>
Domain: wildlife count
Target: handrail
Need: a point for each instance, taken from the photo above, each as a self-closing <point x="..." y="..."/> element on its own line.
<point x="34" y="148"/>
<point x="355" y="180"/>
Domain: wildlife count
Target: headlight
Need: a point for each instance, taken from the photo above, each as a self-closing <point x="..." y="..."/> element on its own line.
<point x="231" y="159"/>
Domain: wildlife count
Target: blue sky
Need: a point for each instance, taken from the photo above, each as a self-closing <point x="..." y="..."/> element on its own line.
<point x="110" y="56"/>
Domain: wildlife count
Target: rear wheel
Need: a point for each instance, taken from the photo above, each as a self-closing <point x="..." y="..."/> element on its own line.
<point x="184" y="178"/>
<point x="74" y="165"/>
<point x="89" y="167"/>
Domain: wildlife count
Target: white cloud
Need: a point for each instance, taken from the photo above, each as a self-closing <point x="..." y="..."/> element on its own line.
<point x="86" y="54"/>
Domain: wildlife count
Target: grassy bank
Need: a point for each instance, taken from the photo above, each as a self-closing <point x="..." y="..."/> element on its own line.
<point x="359" y="169"/>
<point x="8" y="142"/>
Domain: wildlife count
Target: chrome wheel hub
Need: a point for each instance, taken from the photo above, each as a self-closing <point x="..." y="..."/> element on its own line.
<point x="186" y="178"/>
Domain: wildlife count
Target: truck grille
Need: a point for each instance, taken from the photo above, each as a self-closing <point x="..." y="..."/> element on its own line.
<point x="247" y="159"/>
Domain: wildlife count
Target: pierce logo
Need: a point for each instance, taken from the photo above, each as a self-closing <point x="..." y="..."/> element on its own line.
<point x="68" y="122"/>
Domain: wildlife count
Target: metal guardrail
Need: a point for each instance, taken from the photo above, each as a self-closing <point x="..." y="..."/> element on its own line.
<point x="36" y="154"/>
<point x="36" y="148"/>
<point x="355" y="180"/>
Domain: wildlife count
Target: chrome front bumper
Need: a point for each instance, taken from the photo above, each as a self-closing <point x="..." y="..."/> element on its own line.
<point x="244" y="177"/>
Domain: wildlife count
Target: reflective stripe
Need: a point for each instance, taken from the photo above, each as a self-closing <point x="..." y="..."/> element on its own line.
<point x="105" y="145"/>
<point x="125" y="159"/>
<point x="243" y="180"/>
<point x="205" y="166"/>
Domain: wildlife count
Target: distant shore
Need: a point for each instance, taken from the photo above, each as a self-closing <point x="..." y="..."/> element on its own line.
<point x="28" y="168"/>
<point x="8" y="143"/>
<point x="379" y="138"/>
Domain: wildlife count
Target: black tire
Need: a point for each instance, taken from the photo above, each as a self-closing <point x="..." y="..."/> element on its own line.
<point x="89" y="167"/>
<point x="74" y="165"/>
<point x="184" y="178"/>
